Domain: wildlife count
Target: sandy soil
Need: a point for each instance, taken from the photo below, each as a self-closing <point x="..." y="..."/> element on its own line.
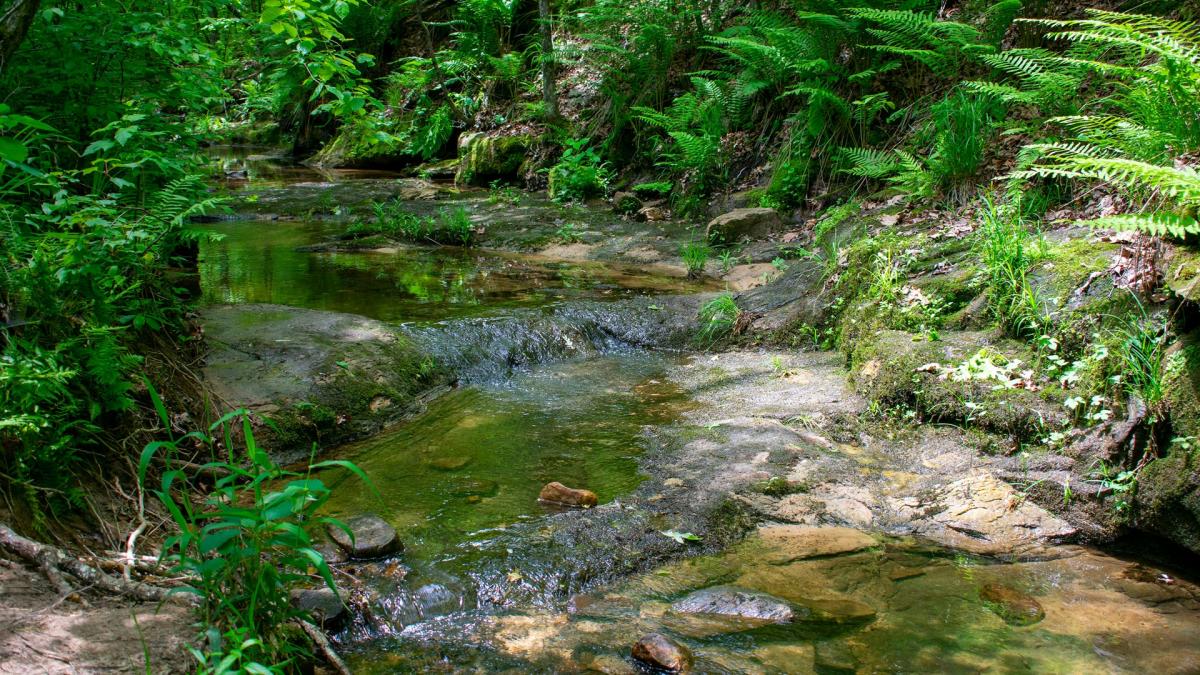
<point x="42" y="633"/>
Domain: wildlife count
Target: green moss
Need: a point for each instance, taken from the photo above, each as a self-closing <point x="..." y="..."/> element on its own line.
<point x="884" y="369"/>
<point x="1183" y="386"/>
<point x="484" y="158"/>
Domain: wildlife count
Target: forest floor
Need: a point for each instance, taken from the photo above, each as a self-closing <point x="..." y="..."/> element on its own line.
<point x="43" y="632"/>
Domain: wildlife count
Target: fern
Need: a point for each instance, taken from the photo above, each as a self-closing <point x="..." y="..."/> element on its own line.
<point x="1157" y="224"/>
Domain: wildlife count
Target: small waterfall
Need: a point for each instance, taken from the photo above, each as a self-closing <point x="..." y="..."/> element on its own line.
<point x="491" y="348"/>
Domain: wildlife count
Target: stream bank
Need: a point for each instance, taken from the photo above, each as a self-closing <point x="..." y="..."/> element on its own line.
<point x="599" y="384"/>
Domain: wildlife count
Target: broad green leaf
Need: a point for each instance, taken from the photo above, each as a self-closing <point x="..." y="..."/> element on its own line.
<point x="13" y="150"/>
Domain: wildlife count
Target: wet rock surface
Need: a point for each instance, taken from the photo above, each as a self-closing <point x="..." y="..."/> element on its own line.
<point x="322" y="603"/>
<point x="731" y="601"/>
<point x="1015" y="607"/>
<point x="660" y="651"/>
<point x="373" y="537"/>
<point x="561" y="495"/>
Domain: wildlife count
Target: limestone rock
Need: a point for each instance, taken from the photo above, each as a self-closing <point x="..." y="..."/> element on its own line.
<point x="660" y="651"/>
<point x="751" y="223"/>
<point x="788" y="543"/>
<point x="557" y="493"/>
<point x="373" y="537"/>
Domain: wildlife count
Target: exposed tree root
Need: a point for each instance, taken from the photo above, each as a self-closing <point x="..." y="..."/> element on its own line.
<point x="53" y="563"/>
<point x="324" y="647"/>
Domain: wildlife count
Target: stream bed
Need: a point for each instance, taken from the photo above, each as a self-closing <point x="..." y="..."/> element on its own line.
<point x="492" y="580"/>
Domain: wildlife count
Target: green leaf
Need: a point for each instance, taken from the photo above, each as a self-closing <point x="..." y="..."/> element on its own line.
<point x="98" y="146"/>
<point x="13" y="150"/>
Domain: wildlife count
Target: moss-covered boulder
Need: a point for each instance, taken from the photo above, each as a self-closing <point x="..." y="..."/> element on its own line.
<point x="1168" y="489"/>
<point x="360" y="146"/>
<point x="1168" y="498"/>
<point x="483" y="158"/>
<point x="895" y="368"/>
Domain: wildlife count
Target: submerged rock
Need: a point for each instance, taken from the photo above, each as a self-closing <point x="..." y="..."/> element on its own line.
<point x="453" y="463"/>
<point x="788" y="543"/>
<point x="660" y="651"/>
<point x="736" y="602"/>
<point x="1015" y="607"/>
<point x="557" y="493"/>
<point x="373" y="537"/>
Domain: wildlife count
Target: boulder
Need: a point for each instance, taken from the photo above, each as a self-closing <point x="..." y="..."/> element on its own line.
<point x="626" y="203"/>
<point x="557" y="493"/>
<point x="659" y="651"/>
<point x="736" y="602"/>
<point x="483" y="158"/>
<point x="788" y="543"/>
<point x="373" y="537"/>
<point x="753" y="223"/>
<point x="1015" y="607"/>
<point x="326" y="608"/>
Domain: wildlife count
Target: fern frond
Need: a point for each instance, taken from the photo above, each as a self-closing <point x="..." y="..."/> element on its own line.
<point x="1155" y="224"/>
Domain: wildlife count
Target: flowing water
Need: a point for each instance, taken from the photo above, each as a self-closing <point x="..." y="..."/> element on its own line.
<point x="460" y="484"/>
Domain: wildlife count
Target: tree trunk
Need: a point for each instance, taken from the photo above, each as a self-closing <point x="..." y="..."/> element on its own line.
<point x="549" y="92"/>
<point x="15" y="19"/>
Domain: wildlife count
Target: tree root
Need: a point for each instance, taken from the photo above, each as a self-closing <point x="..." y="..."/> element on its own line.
<point x="53" y="563"/>
<point x="324" y="647"/>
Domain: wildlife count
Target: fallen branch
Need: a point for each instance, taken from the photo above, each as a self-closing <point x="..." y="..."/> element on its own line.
<point x="53" y="562"/>
<point x="323" y="645"/>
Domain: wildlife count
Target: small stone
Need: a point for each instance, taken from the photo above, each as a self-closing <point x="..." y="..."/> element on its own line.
<point x="373" y="537"/>
<point x="449" y="463"/>
<point x="660" y="651"/>
<point x="673" y="482"/>
<point x="322" y="603"/>
<point x="332" y="554"/>
<point x="840" y="611"/>
<point x="1015" y="607"/>
<point x="474" y="487"/>
<point x="557" y="493"/>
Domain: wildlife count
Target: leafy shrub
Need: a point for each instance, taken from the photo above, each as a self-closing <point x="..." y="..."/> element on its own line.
<point x="81" y="280"/>
<point x="579" y="173"/>
<point x="245" y="547"/>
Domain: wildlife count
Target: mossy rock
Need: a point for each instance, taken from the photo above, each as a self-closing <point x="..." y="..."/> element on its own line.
<point x="887" y="367"/>
<point x="1168" y="498"/>
<point x="1182" y="386"/>
<point x="356" y="146"/>
<point x="483" y="158"/>
<point x="320" y="377"/>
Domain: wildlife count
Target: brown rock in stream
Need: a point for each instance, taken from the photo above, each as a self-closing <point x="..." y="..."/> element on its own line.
<point x="557" y="493"/>
<point x="660" y="651"/>
<point x="1015" y="607"/>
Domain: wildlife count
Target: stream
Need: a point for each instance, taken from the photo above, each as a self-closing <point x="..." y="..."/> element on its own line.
<point x="492" y="580"/>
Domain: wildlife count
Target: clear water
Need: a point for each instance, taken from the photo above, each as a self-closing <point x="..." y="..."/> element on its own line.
<point x="460" y="477"/>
